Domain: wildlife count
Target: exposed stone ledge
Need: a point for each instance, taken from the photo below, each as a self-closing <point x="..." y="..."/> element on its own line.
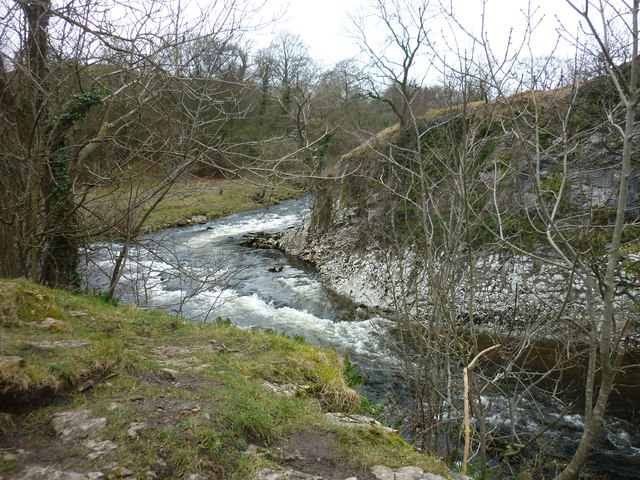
<point x="356" y="421"/>
<point x="511" y="292"/>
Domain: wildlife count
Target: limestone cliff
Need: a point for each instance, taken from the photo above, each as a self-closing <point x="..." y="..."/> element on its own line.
<point x="366" y="235"/>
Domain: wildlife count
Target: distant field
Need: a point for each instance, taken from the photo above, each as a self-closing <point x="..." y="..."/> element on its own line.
<point x="189" y="201"/>
<point x="214" y="198"/>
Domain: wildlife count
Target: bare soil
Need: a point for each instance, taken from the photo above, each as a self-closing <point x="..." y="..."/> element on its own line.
<point x="316" y="453"/>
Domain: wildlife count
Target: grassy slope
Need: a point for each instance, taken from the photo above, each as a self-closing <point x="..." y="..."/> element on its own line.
<point x="198" y="419"/>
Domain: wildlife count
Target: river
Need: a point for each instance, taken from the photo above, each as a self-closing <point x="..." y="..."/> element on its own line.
<point x="202" y="273"/>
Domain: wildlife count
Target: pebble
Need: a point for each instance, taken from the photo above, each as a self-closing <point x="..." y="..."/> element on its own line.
<point x="134" y="428"/>
<point x="273" y="474"/>
<point x="380" y="472"/>
<point x="52" y="324"/>
<point x="170" y="373"/>
<point x="99" y="448"/>
<point x="355" y="421"/>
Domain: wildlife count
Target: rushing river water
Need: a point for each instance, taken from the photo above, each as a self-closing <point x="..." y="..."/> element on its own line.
<point x="201" y="272"/>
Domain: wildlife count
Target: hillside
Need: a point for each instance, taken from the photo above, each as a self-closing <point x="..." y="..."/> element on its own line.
<point x="91" y="390"/>
<point x="509" y="154"/>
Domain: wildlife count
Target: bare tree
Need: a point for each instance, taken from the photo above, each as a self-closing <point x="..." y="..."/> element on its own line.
<point x="406" y="30"/>
<point x="424" y="173"/>
<point x="98" y="94"/>
<point x="289" y="77"/>
<point x="551" y="129"/>
<point x="608" y="329"/>
<point x="492" y="176"/>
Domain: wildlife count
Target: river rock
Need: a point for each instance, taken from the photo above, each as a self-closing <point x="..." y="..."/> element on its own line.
<point x="77" y="425"/>
<point x="261" y="240"/>
<point x="382" y="473"/>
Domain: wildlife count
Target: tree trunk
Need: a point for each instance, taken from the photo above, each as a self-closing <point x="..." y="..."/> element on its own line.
<point x="61" y="228"/>
<point x="609" y="359"/>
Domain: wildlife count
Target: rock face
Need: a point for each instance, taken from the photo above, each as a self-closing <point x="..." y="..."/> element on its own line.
<point x="509" y="289"/>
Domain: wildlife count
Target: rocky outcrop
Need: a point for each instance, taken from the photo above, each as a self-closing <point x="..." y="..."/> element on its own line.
<point x="380" y="472"/>
<point x="346" y="234"/>
<point x="76" y="425"/>
<point x="274" y="474"/>
<point x="508" y="287"/>
<point x="262" y="240"/>
<point x="355" y="420"/>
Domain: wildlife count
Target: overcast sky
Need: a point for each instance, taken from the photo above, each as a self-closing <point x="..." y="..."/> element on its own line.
<point x="324" y="25"/>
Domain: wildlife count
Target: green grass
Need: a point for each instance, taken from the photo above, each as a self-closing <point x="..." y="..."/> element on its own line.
<point x="372" y="447"/>
<point x="188" y="197"/>
<point x="198" y="422"/>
